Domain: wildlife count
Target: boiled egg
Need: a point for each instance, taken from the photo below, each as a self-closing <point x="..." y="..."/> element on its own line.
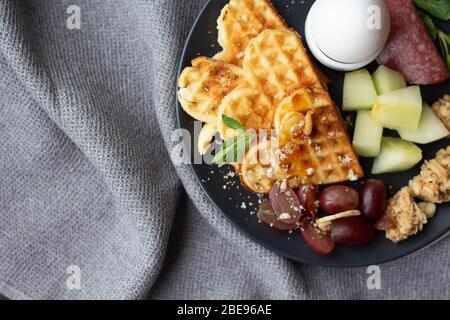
<point x="347" y="34"/>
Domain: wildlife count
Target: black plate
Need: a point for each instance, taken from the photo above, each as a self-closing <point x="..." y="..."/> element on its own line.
<point x="203" y="41"/>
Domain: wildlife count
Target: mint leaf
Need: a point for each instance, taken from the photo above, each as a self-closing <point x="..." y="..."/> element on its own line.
<point x="437" y="8"/>
<point x="232" y="123"/>
<point x="429" y="24"/>
<point x="444" y="44"/>
<point x="232" y="150"/>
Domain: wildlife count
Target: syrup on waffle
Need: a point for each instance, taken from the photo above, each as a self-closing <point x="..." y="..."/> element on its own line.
<point x="321" y="155"/>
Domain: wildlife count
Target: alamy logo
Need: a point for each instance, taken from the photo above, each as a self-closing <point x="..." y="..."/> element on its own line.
<point x="374" y="279"/>
<point x="73" y="22"/>
<point x="374" y="19"/>
<point x="73" y="282"/>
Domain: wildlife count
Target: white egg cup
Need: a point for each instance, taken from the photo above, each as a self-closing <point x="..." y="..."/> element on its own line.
<point x="322" y="57"/>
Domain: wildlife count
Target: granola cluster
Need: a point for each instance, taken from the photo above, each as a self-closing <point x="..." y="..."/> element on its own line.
<point x="403" y="217"/>
<point x="442" y="109"/>
<point x="433" y="182"/>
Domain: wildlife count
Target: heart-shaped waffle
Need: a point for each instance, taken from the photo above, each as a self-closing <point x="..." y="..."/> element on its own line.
<point x="242" y="20"/>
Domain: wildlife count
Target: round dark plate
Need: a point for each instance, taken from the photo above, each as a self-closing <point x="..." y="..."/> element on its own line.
<point x="203" y="41"/>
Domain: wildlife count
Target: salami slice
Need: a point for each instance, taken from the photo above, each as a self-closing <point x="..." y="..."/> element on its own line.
<point x="410" y="49"/>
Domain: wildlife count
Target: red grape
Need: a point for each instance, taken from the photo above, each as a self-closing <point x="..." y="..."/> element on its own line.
<point x="285" y="203"/>
<point x="321" y="243"/>
<point x="351" y="231"/>
<point x="267" y="216"/>
<point x="373" y="199"/>
<point x="308" y="196"/>
<point x="336" y="199"/>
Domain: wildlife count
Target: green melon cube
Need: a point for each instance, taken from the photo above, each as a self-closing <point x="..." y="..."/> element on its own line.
<point x="359" y="91"/>
<point x="367" y="136"/>
<point x="387" y="80"/>
<point x="399" y="109"/>
<point x="430" y="128"/>
<point x="396" y="155"/>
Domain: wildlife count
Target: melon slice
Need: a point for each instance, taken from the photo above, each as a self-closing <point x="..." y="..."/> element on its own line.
<point x="399" y="109"/>
<point x="430" y="128"/>
<point x="396" y="155"/>
<point x="359" y="91"/>
<point x="368" y="134"/>
<point x="387" y="80"/>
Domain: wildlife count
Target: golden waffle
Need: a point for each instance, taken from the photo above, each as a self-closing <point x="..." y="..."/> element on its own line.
<point x="293" y="116"/>
<point x="205" y="84"/>
<point x="242" y="20"/>
<point x="277" y="61"/>
<point x="277" y="87"/>
<point x="258" y="169"/>
<point x="205" y="137"/>
<point x="249" y="106"/>
<point x="323" y="156"/>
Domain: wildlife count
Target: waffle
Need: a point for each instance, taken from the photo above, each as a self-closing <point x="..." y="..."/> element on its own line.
<point x="249" y="106"/>
<point x="293" y="116"/>
<point x="264" y="79"/>
<point x="257" y="171"/>
<point x="322" y="156"/>
<point x="242" y="20"/>
<point x="277" y="62"/>
<point x="205" y="137"/>
<point x="205" y="84"/>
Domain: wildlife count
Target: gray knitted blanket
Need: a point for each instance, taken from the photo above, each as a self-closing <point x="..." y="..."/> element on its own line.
<point x="90" y="204"/>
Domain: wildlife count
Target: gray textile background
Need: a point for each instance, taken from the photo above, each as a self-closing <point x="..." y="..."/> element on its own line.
<point x="86" y="180"/>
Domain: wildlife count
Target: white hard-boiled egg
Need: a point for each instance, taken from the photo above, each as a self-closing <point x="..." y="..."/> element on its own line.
<point x="347" y="34"/>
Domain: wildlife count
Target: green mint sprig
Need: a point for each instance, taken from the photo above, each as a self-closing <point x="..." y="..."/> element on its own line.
<point x="444" y="45"/>
<point x="439" y="35"/>
<point x="437" y="8"/>
<point x="233" y="149"/>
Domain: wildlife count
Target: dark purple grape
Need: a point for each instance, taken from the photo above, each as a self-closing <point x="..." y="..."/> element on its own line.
<point x="336" y="199"/>
<point x="351" y="231"/>
<point x="308" y="195"/>
<point x="373" y="199"/>
<point x="315" y="239"/>
<point x="285" y="203"/>
<point x="267" y="216"/>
